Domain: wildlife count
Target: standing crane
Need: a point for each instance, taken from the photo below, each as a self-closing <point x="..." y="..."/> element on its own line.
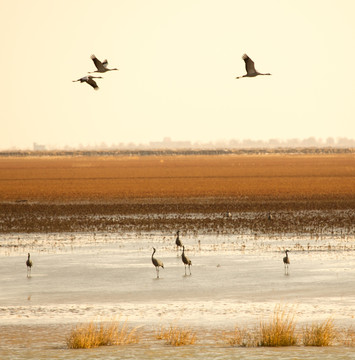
<point x="286" y="262"/>
<point x="250" y="68"/>
<point x="178" y="242"/>
<point x="186" y="260"/>
<point x="29" y="264"/>
<point x="100" y="66"/>
<point x="157" y="263"/>
<point x="89" y="80"/>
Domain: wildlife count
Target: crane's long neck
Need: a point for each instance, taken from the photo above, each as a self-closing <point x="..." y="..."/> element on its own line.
<point x="153" y="253"/>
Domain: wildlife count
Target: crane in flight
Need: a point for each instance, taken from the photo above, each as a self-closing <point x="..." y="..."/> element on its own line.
<point x="100" y="66"/>
<point x="250" y="68"/>
<point x="89" y="80"/>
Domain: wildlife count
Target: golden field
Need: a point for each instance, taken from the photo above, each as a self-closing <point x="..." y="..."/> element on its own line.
<point x="305" y="193"/>
<point x="107" y="179"/>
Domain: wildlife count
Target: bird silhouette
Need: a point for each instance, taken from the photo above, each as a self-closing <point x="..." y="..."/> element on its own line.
<point x="250" y="68"/>
<point x="286" y="261"/>
<point x="178" y="242"/>
<point x="186" y="260"/>
<point x="100" y="66"/>
<point x="89" y="80"/>
<point x="29" y="264"/>
<point x="157" y="263"/>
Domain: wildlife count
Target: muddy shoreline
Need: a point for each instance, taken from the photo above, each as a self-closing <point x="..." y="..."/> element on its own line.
<point x="212" y="215"/>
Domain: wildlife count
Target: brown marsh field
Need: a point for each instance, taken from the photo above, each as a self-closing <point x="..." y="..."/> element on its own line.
<point x="109" y="179"/>
<point x="72" y="193"/>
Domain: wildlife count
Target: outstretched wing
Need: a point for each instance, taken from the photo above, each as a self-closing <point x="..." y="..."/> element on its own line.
<point x="105" y="63"/>
<point x="92" y="83"/>
<point x="99" y="65"/>
<point x="249" y="64"/>
<point x="83" y="79"/>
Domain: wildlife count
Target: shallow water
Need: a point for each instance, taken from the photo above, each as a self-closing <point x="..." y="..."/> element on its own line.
<point x="236" y="280"/>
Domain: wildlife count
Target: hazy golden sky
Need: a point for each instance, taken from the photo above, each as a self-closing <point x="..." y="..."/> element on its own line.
<point x="178" y="60"/>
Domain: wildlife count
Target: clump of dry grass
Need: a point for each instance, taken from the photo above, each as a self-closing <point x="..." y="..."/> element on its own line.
<point x="176" y="336"/>
<point x="319" y="334"/>
<point x="349" y="337"/>
<point x="241" y="337"/>
<point x="279" y="331"/>
<point x="95" y="334"/>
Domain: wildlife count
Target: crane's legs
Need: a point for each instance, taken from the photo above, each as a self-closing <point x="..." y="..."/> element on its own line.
<point x="189" y="270"/>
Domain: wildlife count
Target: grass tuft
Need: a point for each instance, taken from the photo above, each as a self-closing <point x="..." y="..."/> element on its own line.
<point x="240" y="337"/>
<point x="279" y="331"/>
<point x="176" y="336"/>
<point x="95" y="334"/>
<point x="349" y="337"/>
<point x="319" y="334"/>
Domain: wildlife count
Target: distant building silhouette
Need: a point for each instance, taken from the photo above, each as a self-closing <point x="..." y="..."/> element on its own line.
<point x="38" y="147"/>
<point x="167" y="143"/>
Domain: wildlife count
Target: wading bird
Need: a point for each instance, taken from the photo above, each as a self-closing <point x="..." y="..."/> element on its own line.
<point x="157" y="263"/>
<point x="186" y="260"/>
<point x="178" y="241"/>
<point x="250" y="68"/>
<point x="29" y="264"/>
<point x="89" y="80"/>
<point x="101" y="66"/>
<point x="286" y="261"/>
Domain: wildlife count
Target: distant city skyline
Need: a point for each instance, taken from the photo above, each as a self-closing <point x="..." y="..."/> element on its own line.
<point x="169" y="143"/>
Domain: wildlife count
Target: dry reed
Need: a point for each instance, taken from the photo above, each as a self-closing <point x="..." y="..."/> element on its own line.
<point x="279" y="331"/>
<point x="176" y="336"/>
<point x="95" y="334"/>
<point x="322" y="334"/>
<point x="240" y="337"/>
<point x="348" y="337"/>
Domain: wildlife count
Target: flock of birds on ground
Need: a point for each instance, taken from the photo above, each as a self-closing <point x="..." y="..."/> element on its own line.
<point x="187" y="262"/>
<point x="102" y="68"/>
<point x="158" y="263"/>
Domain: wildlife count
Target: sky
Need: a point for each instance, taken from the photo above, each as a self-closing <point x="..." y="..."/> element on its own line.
<point x="178" y="61"/>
